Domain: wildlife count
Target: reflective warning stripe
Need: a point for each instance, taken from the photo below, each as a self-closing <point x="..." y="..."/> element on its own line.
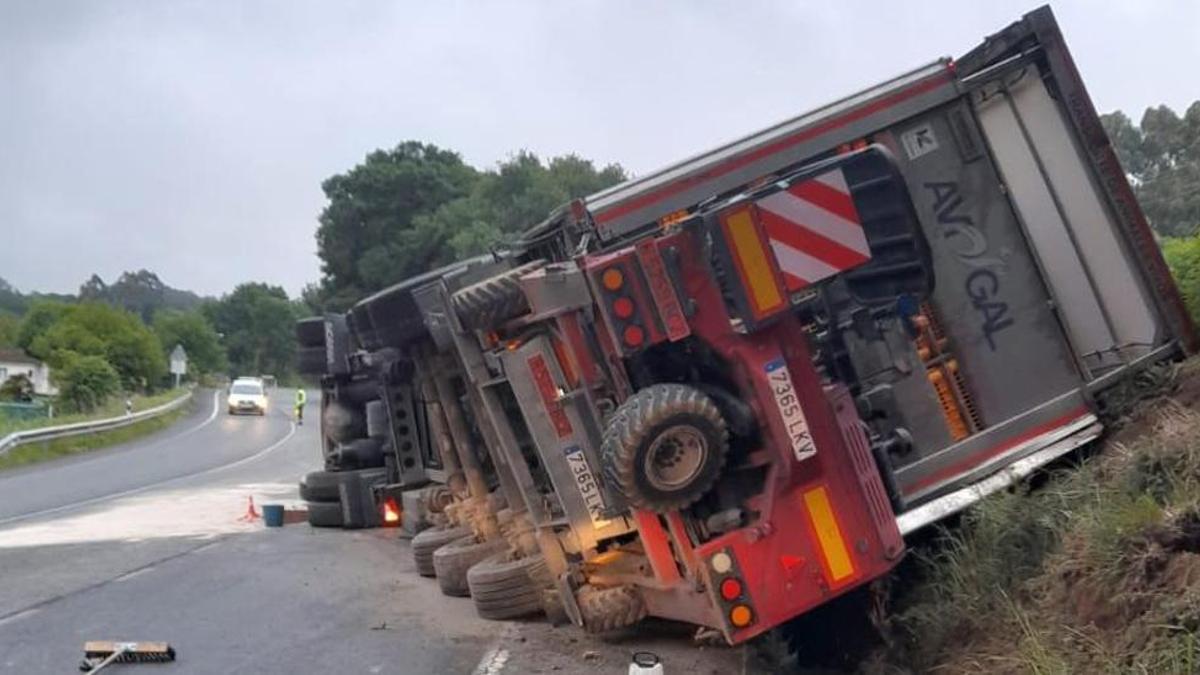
<point x="751" y="255"/>
<point x="829" y="535"/>
<point x="814" y="229"/>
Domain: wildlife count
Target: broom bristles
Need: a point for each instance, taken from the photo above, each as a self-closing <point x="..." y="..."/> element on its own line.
<point x="134" y="651"/>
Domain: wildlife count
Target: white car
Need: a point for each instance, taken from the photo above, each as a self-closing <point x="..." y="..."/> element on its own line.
<point x="247" y="395"/>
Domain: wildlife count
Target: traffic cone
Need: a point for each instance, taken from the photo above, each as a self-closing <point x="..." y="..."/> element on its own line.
<point x="251" y="513"/>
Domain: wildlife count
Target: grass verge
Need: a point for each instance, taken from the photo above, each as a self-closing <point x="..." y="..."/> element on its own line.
<point x="113" y="408"/>
<point x="1096" y="570"/>
<point x="32" y="453"/>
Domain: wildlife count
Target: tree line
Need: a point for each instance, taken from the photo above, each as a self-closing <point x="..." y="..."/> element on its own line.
<point x="112" y="339"/>
<point x="416" y="206"/>
<point x="1161" y="156"/>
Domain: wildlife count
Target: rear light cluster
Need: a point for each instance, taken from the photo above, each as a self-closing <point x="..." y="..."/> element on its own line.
<point x="620" y="297"/>
<point x="731" y="590"/>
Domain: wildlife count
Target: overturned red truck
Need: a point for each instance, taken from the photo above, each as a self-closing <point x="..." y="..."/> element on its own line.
<point x="725" y="391"/>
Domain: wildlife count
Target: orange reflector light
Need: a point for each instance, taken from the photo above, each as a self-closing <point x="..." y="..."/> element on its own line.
<point x="754" y="262"/>
<point x="730" y="589"/>
<point x="391" y="512"/>
<point x="612" y="278"/>
<point x="623" y="308"/>
<point x="740" y="616"/>
<point x="634" y="336"/>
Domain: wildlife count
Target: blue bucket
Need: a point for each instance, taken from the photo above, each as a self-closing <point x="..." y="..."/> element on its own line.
<point x="273" y="515"/>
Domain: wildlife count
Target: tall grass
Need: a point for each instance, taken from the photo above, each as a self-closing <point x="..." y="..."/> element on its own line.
<point x="1087" y="573"/>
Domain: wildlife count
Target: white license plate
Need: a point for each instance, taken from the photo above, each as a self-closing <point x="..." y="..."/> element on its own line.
<point x="593" y="499"/>
<point x="790" y="410"/>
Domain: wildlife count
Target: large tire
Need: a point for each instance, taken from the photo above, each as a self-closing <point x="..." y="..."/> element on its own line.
<point x="665" y="447"/>
<point x="311" y="360"/>
<point x="325" y="514"/>
<point x="322" y="486"/>
<point x="503" y="588"/>
<point x="608" y="609"/>
<point x="430" y="540"/>
<point x="310" y="332"/>
<point x="491" y="302"/>
<point x="377" y="420"/>
<point x="452" y="561"/>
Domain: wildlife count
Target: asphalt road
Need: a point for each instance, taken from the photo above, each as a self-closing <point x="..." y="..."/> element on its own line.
<point x="146" y="542"/>
<point x="206" y="438"/>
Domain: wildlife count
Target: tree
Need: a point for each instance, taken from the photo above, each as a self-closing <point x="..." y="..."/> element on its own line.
<point x="9" y="327"/>
<point x="86" y="382"/>
<point x="196" y="334"/>
<point x="60" y="333"/>
<point x="256" y="321"/>
<point x="1162" y="158"/>
<point x="371" y="209"/>
<point x="41" y="316"/>
<point x="141" y="292"/>
<point x="409" y="210"/>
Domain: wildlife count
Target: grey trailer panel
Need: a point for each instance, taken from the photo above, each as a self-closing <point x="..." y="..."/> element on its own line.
<point x="989" y="296"/>
<point x="1107" y="309"/>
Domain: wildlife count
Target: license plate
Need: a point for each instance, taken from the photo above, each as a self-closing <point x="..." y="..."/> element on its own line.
<point x="790" y="410"/>
<point x="593" y="499"/>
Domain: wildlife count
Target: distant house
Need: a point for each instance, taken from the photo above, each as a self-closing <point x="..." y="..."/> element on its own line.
<point x="16" y="362"/>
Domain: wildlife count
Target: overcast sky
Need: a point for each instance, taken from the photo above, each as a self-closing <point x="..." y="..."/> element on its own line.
<point x="190" y="138"/>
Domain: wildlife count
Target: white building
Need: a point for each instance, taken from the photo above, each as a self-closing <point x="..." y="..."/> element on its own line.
<point x="16" y="362"/>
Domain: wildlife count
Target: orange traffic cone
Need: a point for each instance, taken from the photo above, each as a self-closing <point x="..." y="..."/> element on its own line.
<point x="251" y="513"/>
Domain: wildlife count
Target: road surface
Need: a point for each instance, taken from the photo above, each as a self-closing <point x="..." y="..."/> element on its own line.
<point x="145" y="542"/>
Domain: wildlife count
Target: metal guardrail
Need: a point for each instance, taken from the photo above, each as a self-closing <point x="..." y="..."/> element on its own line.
<point x="49" y="433"/>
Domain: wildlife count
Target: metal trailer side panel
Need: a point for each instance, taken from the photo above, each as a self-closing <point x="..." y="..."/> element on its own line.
<point x="635" y="204"/>
<point x="1107" y="309"/>
<point x="990" y="296"/>
<point x="1038" y="31"/>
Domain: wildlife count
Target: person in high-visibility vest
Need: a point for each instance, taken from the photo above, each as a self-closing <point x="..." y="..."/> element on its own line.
<point x="301" y="399"/>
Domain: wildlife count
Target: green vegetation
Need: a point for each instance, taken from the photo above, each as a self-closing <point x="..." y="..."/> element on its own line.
<point x="114" y="407"/>
<point x="1097" y="571"/>
<point x="1183" y="257"/>
<point x="198" y="337"/>
<point x="257" y="322"/>
<point x="417" y="206"/>
<point x="23" y="455"/>
<point x="1162" y="157"/>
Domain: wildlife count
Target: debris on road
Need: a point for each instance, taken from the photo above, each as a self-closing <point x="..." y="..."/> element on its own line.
<point x="100" y="654"/>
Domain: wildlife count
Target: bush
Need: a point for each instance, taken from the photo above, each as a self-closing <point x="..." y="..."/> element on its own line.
<point x="1183" y="257"/>
<point x="17" y="388"/>
<point x="86" y="383"/>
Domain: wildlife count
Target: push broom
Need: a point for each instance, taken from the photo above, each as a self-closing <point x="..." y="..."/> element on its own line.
<point x="99" y="654"/>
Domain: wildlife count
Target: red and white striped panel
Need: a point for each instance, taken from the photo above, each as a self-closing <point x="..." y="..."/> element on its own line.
<point x="814" y="229"/>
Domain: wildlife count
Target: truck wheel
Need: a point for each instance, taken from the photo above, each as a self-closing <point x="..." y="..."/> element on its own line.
<point x="491" y="302"/>
<point x="377" y="419"/>
<point x="503" y="588"/>
<point x="310" y="360"/>
<point x="322" y="486"/>
<point x="608" y="609"/>
<point x="310" y="332"/>
<point x="430" y="540"/>
<point x="452" y="561"/>
<point x="325" y="514"/>
<point x="664" y="447"/>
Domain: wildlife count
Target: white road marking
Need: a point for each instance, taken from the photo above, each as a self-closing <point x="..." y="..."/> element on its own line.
<point x="138" y="490"/>
<point x="496" y="657"/>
